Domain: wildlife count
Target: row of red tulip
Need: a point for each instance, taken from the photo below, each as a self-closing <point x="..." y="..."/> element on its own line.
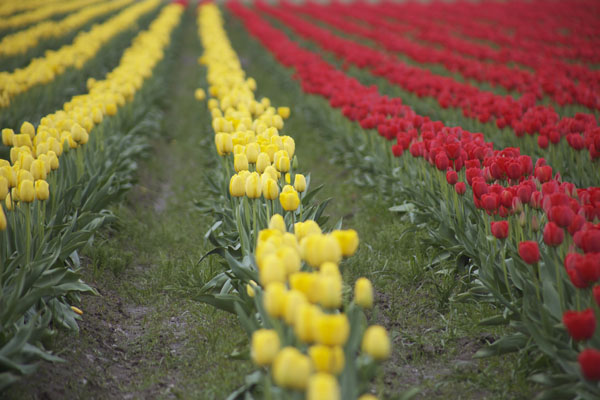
<point x="522" y="115"/>
<point x="549" y="79"/>
<point x="557" y="30"/>
<point x="502" y="182"/>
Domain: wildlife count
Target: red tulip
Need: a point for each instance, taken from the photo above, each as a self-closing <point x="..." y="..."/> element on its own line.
<point x="529" y="252"/>
<point x="544" y="173"/>
<point x="460" y="188"/>
<point x="589" y="361"/>
<point x="596" y="292"/>
<point x="451" y="177"/>
<point x="580" y="324"/>
<point x="561" y="215"/>
<point x="500" y="229"/>
<point x="588" y="267"/>
<point x="441" y="161"/>
<point x="590" y="241"/>
<point x="553" y="234"/>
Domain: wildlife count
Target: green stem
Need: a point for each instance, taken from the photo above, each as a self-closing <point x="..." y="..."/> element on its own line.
<point x="28" y="233"/>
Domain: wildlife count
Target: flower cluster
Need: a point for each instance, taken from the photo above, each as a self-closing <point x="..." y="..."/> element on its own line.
<point x="85" y="46"/>
<point x="21" y="41"/>
<point x="44" y="12"/>
<point x="35" y="152"/>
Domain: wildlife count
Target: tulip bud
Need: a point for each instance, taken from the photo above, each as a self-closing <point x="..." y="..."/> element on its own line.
<point x="262" y="162"/>
<point x="304" y="324"/>
<point x="26" y="191"/>
<point x="284" y="112"/>
<point x="274" y="299"/>
<point x="237" y="186"/>
<point x="277" y="223"/>
<point x="200" y="94"/>
<point x="283" y="164"/>
<point x="250" y="289"/>
<point x="290" y="147"/>
<point x="28" y="129"/>
<point x="589" y="361"/>
<point x="376" y="342"/>
<point x="252" y="152"/>
<point x="327" y="359"/>
<point x="272" y="270"/>
<point x="2" y="219"/>
<point x="265" y="346"/>
<point x="330" y="289"/>
<point x="535" y="223"/>
<point x="581" y="325"/>
<point x="111" y="109"/>
<point x="332" y="329"/>
<point x="7" y="137"/>
<point x="9" y="200"/>
<point x="270" y="189"/>
<point x="363" y="293"/>
<point x="3" y="187"/>
<point x="291" y="369"/>
<point x="38" y="170"/>
<point x="348" y="241"/>
<point x="53" y="160"/>
<point x="529" y="252"/>
<point x="240" y="162"/>
<point x="300" y="183"/>
<point x="289" y="201"/>
<point x="293" y="301"/>
<point x="42" y="190"/>
<point x="288" y="178"/>
<point x="253" y="186"/>
<point x="323" y="386"/>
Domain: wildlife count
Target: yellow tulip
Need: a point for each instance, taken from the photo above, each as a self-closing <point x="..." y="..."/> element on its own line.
<point x="23" y="175"/>
<point x="376" y="342"/>
<point x="237" y="186"/>
<point x="289" y="201"/>
<point x="9" y="200"/>
<point x="284" y="112"/>
<point x="22" y="139"/>
<point x="283" y="164"/>
<point x="3" y="187"/>
<point x="272" y="172"/>
<point x="224" y="143"/>
<point x="42" y="190"/>
<point x="289" y="145"/>
<point x="270" y="189"/>
<point x="53" y="160"/>
<point x="306" y="228"/>
<point x="304" y="325"/>
<point x="293" y="301"/>
<point x="253" y="186"/>
<point x="212" y="104"/>
<point x="348" y="240"/>
<point x="277" y="223"/>
<point x="252" y="152"/>
<point x="322" y="386"/>
<point x="265" y="346"/>
<point x="38" y="169"/>
<point x="327" y="359"/>
<point x="274" y="299"/>
<point x="262" y="162"/>
<point x="307" y="283"/>
<point x="199" y="94"/>
<point x="250" y="289"/>
<point x="7" y="137"/>
<point x="330" y="291"/>
<point x="111" y="109"/>
<point x="318" y="249"/>
<point x="10" y="175"/>
<point x="363" y="293"/>
<point x="291" y="369"/>
<point x="272" y="270"/>
<point x="26" y="191"/>
<point x="26" y="160"/>
<point x="290" y="258"/>
<point x="332" y="329"/>
<point x="28" y="128"/>
<point x="330" y="269"/>
<point x="2" y="219"/>
<point x="240" y="162"/>
<point x="300" y="183"/>
<point x="367" y="396"/>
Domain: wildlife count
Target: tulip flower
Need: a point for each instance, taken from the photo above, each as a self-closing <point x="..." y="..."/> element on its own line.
<point x="589" y="361"/>
<point x="2" y="219"/>
<point x="596" y="292"/>
<point x="274" y="299"/>
<point x="253" y="186"/>
<point x="363" y="293"/>
<point x="42" y="190"/>
<point x="293" y="301"/>
<point x="553" y="234"/>
<point x="460" y="188"/>
<point x="265" y="346"/>
<point x="284" y="112"/>
<point x="291" y="369"/>
<point x="348" y="241"/>
<point x="327" y="359"/>
<point x="322" y="386"/>
<point x="270" y="189"/>
<point x="308" y="283"/>
<point x="289" y="201"/>
<point x="300" y="183"/>
<point x="580" y="325"/>
<point x="500" y="229"/>
<point x="332" y="329"/>
<point x="376" y="342"/>
<point x="529" y="252"/>
<point x="200" y="94"/>
<point x="330" y="292"/>
<point x="26" y="191"/>
<point x="7" y="137"/>
<point x="367" y="396"/>
<point x="305" y="323"/>
<point x="4" y="188"/>
<point x="237" y="186"/>
<point x="277" y="222"/>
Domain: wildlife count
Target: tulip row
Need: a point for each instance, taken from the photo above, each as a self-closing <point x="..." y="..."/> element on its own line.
<point x="11" y="7"/>
<point x="85" y="46"/>
<point x="560" y="88"/>
<point x="532" y="285"/>
<point x="48" y="216"/>
<point x="19" y="42"/>
<point x="285" y="283"/>
<point x="19" y="20"/>
<point x="523" y="115"/>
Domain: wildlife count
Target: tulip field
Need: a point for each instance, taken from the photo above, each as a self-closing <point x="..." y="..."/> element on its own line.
<point x="299" y="200"/>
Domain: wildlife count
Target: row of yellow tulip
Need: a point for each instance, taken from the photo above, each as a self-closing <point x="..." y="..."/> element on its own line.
<point x="34" y="153"/>
<point x="21" y="41"/>
<point x="10" y="7"/>
<point x="85" y="46"/>
<point x="42" y="13"/>
<point x="303" y="336"/>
